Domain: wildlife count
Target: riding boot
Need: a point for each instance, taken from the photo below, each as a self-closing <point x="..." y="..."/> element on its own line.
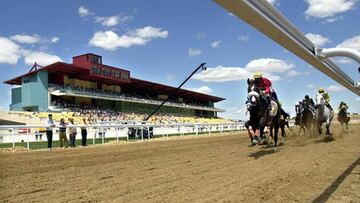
<point x="329" y="106"/>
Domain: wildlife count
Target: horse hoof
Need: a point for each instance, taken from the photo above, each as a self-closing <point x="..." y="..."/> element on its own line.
<point x="254" y="142"/>
<point x="275" y="149"/>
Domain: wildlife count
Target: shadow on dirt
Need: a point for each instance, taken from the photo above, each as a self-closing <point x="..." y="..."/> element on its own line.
<point x="262" y="152"/>
<point x="325" y="140"/>
<point x="323" y="197"/>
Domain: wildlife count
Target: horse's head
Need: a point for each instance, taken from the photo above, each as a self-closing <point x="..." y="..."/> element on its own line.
<point x="252" y="85"/>
<point x="320" y="100"/>
<point x="253" y="94"/>
<point x="253" y="99"/>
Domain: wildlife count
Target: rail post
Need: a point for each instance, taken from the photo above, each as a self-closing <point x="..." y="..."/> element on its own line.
<point x="13" y="136"/>
<point x="102" y="136"/>
<point x="94" y="135"/>
<point x="27" y="137"/>
<point x="116" y="134"/>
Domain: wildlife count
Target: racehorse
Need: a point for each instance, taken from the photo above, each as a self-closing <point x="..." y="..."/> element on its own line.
<point x="343" y="118"/>
<point x="284" y="122"/>
<point x="306" y="117"/>
<point x="260" y="117"/>
<point x="323" y="114"/>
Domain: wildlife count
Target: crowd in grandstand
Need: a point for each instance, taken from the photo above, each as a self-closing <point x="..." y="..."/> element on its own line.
<point x="113" y="94"/>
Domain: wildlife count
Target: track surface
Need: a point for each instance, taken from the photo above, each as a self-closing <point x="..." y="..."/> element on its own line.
<point x="217" y="168"/>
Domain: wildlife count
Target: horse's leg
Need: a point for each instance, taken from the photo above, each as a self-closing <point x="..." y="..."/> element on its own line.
<point x="250" y="134"/>
<point x="283" y="133"/>
<point x="319" y="127"/>
<point x="276" y="133"/>
<point x="328" y="123"/>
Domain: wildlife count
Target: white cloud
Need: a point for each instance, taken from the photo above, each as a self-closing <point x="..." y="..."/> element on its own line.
<point x="272" y="2"/>
<point x="215" y="44"/>
<point x="310" y="86"/>
<point x="109" y="40"/>
<point x="335" y="88"/>
<point x="222" y="74"/>
<point x="41" y="58"/>
<point x="83" y="11"/>
<point x="317" y="40"/>
<point x="243" y="38"/>
<point x="10" y="52"/>
<point x="353" y="43"/>
<point x="202" y="89"/>
<point x="293" y="73"/>
<point x="150" y="32"/>
<point x="194" y="52"/>
<point x="265" y="65"/>
<point x="26" y="39"/>
<point x="333" y="19"/>
<point x="108" y="21"/>
<point x="268" y="65"/>
<point x="201" y="36"/>
<point x="54" y="39"/>
<point x="328" y="8"/>
<point x="344" y="60"/>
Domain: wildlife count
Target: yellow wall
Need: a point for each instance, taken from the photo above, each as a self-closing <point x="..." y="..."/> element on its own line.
<point x="113" y="88"/>
<point x="79" y="83"/>
<point x="162" y="96"/>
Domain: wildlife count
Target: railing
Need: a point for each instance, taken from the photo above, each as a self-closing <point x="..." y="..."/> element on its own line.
<point x="73" y="91"/>
<point x="21" y="134"/>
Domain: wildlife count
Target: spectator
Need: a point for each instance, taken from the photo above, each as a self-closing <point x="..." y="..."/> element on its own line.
<point x="72" y="132"/>
<point x="83" y="133"/>
<point x="62" y="133"/>
<point x="49" y="130"/>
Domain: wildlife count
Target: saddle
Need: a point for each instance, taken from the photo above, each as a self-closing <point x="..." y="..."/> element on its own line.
<point x="274" y="108"/>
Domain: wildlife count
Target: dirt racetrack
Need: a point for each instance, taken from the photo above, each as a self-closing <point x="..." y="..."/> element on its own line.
<point x="216" y="168"/>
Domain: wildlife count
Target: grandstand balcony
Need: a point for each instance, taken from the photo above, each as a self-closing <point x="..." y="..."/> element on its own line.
<point x="72" y="91"/>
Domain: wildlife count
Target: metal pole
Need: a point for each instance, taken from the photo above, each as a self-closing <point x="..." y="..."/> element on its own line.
<point x="13" y="136"/>
<point x="168" y="98"/>
<point x="94" y="130"/>
<point x="116" y="134"/>
<point x="102" y="136"/>
<point x="27" y="137"/>
<point x="127" y="134"/>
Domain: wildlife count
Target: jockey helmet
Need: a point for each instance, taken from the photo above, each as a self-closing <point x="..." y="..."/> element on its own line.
<point x="321" y="90"/>
<point x="257" y="75"/>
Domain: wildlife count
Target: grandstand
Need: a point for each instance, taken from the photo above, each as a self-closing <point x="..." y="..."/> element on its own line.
<point x="87" y="87"/>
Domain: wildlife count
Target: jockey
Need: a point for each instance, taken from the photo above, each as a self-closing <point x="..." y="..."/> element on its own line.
<point x="326" y="97"/>
<point x="310" y="102"/>
<point x="265" y="85"/>
<point x="343" y="105"/>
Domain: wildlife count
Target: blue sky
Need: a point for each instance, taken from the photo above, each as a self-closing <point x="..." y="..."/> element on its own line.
<point x="163" y="41"/>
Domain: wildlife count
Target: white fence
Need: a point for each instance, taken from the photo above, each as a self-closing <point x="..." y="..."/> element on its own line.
<point x="29" y="133"/>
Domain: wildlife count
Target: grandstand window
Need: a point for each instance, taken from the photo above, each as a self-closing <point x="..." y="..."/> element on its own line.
<point x="115" y="74"/>
<point x="95" y="59"/>
<point x="125" y="76"/>
<point x="95" y="70"/>
<point x="105" y="72"/>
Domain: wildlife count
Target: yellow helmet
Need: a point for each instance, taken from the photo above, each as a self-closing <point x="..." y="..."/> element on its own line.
<point x="321" y="90"/>
<point x="257" y="75"/>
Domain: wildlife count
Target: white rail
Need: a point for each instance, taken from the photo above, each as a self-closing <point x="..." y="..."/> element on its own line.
<point x="265" y="18"/>
<point x="10" y="133"/>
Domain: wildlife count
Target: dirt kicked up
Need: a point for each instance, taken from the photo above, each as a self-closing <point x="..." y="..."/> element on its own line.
<point x="216" y="168"/>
